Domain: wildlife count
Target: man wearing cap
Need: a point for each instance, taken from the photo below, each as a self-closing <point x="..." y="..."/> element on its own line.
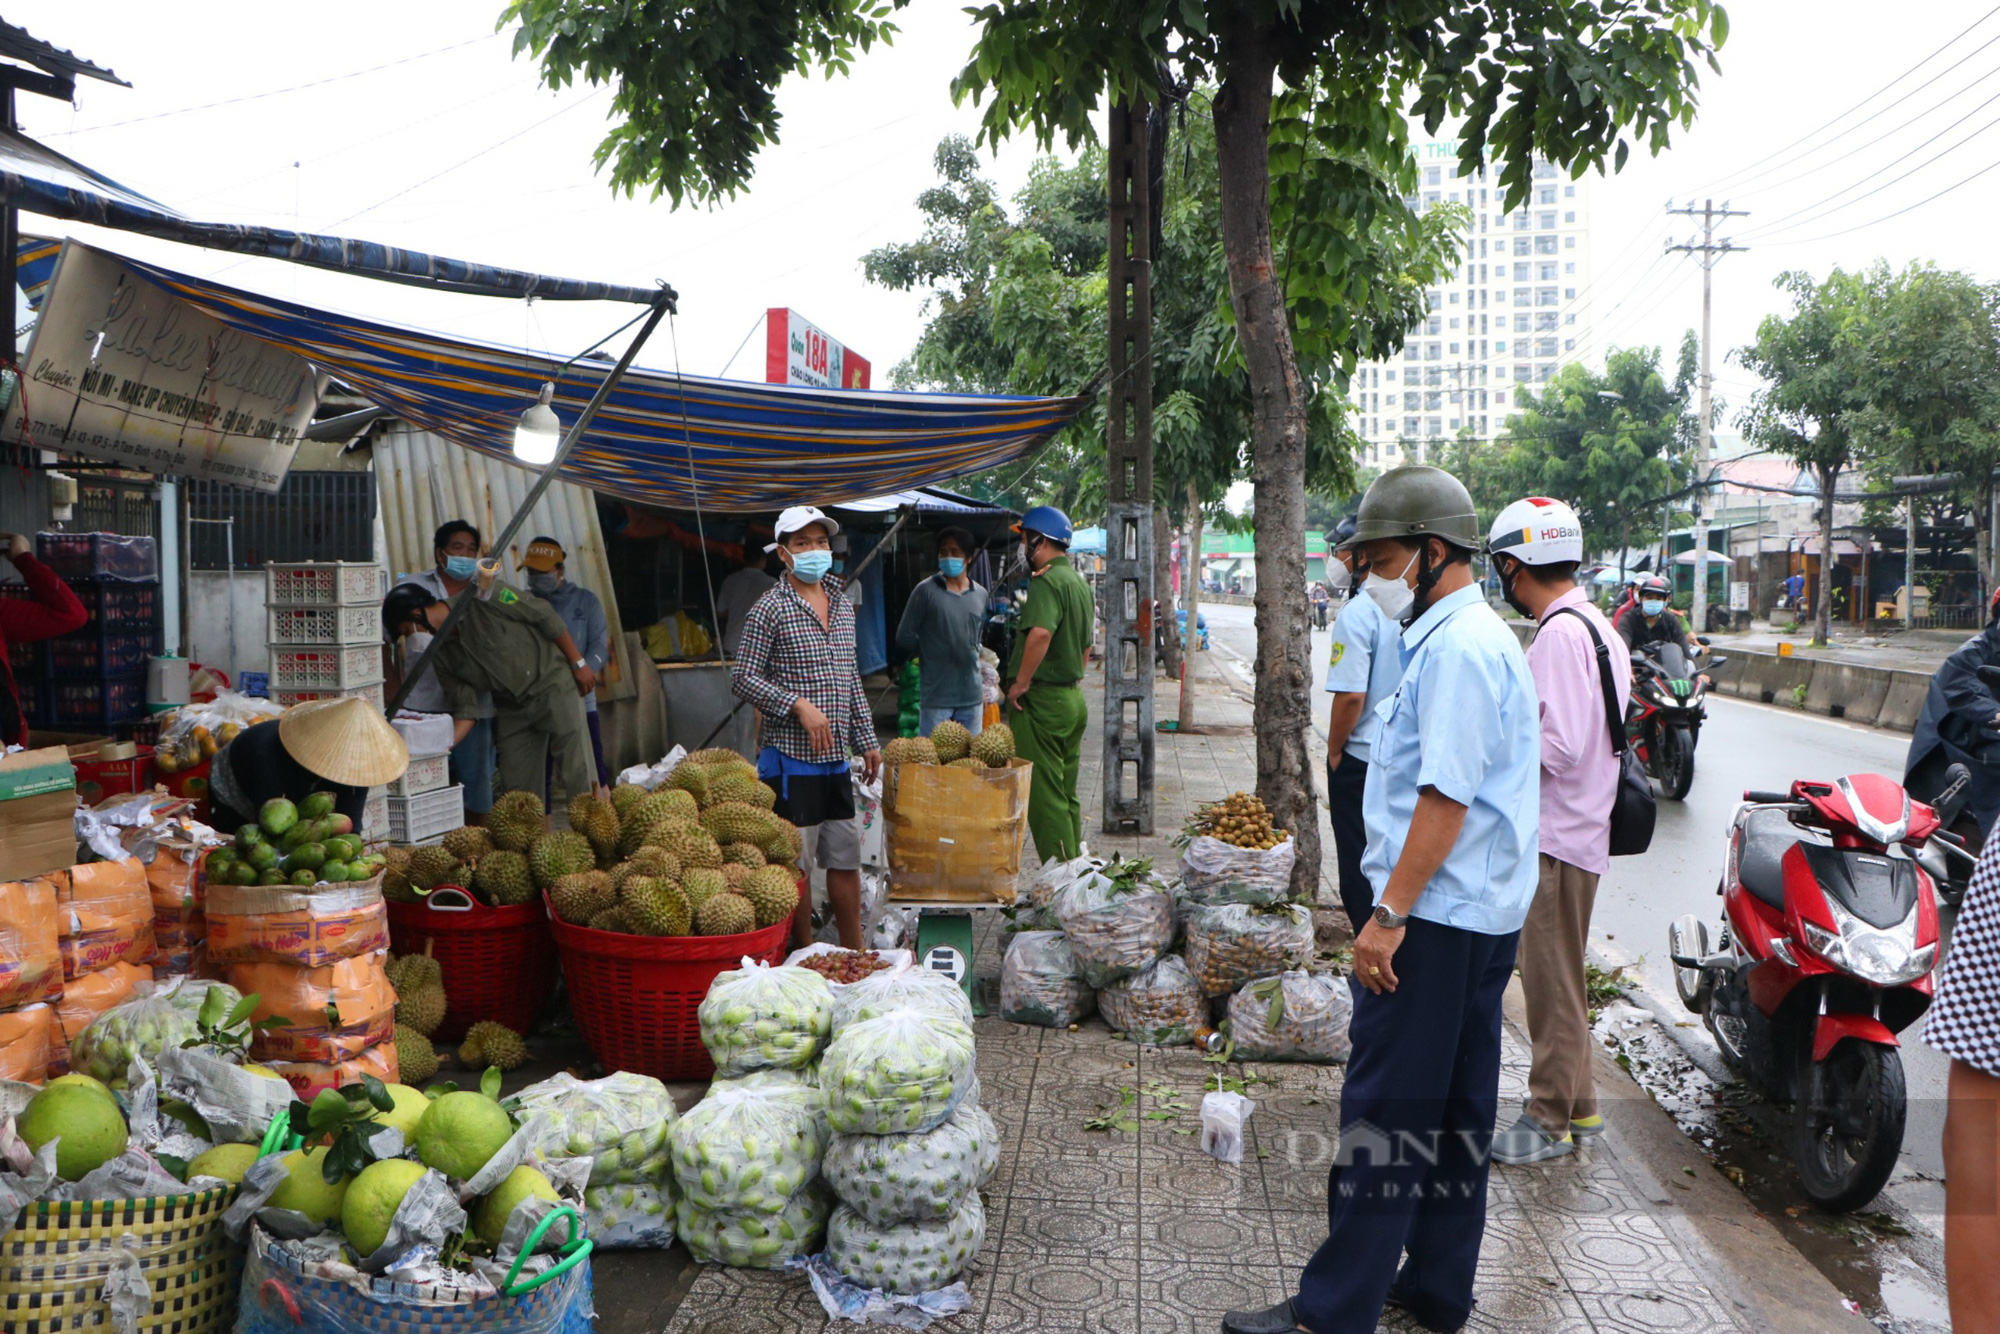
<point x="341" y="747"/>
<point x="519" y="651"/>
<point x="1364" y="663"/>
<point x="455" y="551"/>
<point x="1044" y="707"/>
<point x="940" y="627"/>
<point x="548" y="579"/>
<point x="1452" y="810"/>
<point x="796" y="664"/>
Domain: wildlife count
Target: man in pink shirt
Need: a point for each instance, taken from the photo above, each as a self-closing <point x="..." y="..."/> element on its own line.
<point x="1536" y="545"/>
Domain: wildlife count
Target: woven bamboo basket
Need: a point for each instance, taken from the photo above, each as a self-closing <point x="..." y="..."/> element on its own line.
<point x="54" y="1260"/>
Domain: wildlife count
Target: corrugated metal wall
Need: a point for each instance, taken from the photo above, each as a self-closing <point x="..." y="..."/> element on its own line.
<point x="425" y="479"/>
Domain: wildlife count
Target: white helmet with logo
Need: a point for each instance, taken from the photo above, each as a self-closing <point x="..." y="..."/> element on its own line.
<point x="1537" y="531"/>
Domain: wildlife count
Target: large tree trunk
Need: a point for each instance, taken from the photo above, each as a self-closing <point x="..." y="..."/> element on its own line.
<point x="1163" y="590"/>
<point x="1823" y="599"/>
<point x="1191" y="599"/>
<point x="1283" y="700"/>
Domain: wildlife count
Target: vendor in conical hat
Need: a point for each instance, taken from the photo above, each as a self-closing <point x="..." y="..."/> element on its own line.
<point x="340" y="746"/>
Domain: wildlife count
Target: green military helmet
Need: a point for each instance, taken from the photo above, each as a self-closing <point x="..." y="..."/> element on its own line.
<point x="1417" y="500"/>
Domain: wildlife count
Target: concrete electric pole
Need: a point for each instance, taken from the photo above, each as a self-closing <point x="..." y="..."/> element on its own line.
<point x="1710" y="251"/>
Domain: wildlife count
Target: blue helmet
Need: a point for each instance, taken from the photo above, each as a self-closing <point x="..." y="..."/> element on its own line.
<point x="1047" y="521"/>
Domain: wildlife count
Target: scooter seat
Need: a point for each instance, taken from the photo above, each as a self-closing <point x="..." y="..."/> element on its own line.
<point x="1767" y="835"/>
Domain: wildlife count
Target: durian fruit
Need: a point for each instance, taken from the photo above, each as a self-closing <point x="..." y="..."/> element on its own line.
<point x="412" y="972"/>
<point x="966" y="762"/>
<point x="503" y="878"/>
<point x="739" y="822"/>
<point x="725" y="915"/>
<point x="493" y="1044"/>
<point x="743" y="854"/>
<point x="765" y="796"/>
<point x="625" y="796"/>
<point x="910" y="750"/>
<point x="786" y="845"/>
<point x="517" y="820"/>
<point x="396" y="886"/>
<point x="555" y="855"/>
<point x="702" y="884"/>
<point x="656" y="907"/>
<point x="611" y="919"/>
<point x="432" y="866"/>
<point x="691" y="845"/>
<point x="691" y="779"/>
<point x="994" y="746"/>
<point x="580" y="897"/>
<point x="738" y="785"/>
<point x="416" y="1059"/>
<point x="773" y="893"/>
<point x="421" y="1009"/>
<point x="648" y="860"/>
<point x="599" y="823"/>
<point x="643" y="822"/>
<point x="468" y="844"/>
<point x="952" y="740"/>
<point x="734" y="873"/>
<point x="715" y="755"/>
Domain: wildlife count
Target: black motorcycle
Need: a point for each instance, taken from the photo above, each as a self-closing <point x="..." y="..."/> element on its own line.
<point x="1664" y="722"/>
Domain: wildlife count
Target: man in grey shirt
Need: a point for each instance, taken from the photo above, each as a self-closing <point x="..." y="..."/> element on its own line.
<point x="733" y="600"/>
<point x="456" y="548"/>
<point x="940" y="626"/>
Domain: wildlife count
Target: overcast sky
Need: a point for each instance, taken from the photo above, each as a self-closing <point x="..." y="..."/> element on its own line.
<point x="410" y="123"/>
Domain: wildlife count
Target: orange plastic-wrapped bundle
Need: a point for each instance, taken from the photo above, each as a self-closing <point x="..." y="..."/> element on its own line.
<point x="24" y="1042"/>
<point x="31" y="965"/>
<point x="84" y="998"/>
<point x="178" y="882"/>
<point x="278" y="924"/>
<point x="307" y="1078"/>
<point x="105" y="913"/>
<point x="337" y="1011"/>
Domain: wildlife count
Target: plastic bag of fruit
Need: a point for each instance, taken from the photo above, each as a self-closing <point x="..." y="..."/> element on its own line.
<point x="1297" y="1016"/>
<point x="914" y="1178"/>
<point x="1160" y="1004"/>
<point x="758" y="1016"/>
<point x="194" y="732"/>
<point x="756" y="1240"/>
<point x="1233" y="943"/>
<point x="1036" y="909"/>
<point x="167" y="1018"/>
<point x="904" y="1071"/>
<point x="1234" y="853"/>
<point x="749" y="1148"/>
<point x="905" y="1257"/>
<point x="843" y="968"/>
<point x="620" y="1123"/>
<point x="1041" y="982"/>
<point x="911" y="989"/>
<point x="1118" y="919"/>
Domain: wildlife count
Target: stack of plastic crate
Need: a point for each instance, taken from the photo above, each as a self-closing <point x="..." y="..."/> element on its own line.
<point x="95" y="679"/>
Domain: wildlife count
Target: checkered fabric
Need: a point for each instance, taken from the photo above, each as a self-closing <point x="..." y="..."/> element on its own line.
<point x="1965" y="1021"/>
<point x="786" y="654"/>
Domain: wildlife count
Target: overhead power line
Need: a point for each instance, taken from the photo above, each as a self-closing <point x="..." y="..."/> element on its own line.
<point x="1775" y="229"/>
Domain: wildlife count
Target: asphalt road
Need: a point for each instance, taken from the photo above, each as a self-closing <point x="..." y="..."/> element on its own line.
<point x="1743" y="746"/>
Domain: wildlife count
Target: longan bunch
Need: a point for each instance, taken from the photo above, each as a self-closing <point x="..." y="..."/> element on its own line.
<point x="1239" y="820"/>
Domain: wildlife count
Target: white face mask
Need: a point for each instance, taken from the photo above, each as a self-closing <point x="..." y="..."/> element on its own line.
<point x="1393" y="596"/>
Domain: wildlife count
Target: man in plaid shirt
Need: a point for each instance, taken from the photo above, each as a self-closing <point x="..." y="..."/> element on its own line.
<point x="796" y="664"/>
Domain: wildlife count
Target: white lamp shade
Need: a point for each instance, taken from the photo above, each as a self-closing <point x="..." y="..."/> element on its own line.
<point x="538" y="435"/>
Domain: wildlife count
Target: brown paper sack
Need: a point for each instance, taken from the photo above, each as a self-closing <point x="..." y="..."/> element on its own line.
<point x="955" y="835"/>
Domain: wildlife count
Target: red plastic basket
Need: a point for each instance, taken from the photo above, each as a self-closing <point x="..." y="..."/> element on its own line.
<point x="635" y="997"/>
<point x="498" y="963"/>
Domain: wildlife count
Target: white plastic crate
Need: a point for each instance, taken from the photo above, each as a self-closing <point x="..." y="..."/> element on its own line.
<point x="323" y="625"/>
<point x="372" y="693"/>
<point x="375" y="815"/>
<point x="427" y="773"/>
<point x="332" y="583"/>
<point x="426" y="816"/>
<point x="325" y="668"/>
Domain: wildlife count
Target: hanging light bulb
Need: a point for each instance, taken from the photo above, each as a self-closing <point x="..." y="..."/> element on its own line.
<point x="540" y="432"/>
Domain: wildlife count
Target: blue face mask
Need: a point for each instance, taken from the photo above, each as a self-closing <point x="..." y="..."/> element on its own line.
<point x="811" y="566"/>
<point x="1652" y="606"/>
<point x="461" y="567"/>
<point x="951" y="566"/>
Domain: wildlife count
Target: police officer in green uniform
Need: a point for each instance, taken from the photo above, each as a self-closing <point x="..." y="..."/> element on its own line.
<point x="519" y="650"/>
<point x="1044" y="706"/>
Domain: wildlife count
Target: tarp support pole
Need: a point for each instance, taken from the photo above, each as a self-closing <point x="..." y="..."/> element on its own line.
<point x="662" y="304"/>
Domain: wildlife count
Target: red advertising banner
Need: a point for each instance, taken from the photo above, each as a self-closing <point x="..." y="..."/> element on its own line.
<point x="797" y="351"/>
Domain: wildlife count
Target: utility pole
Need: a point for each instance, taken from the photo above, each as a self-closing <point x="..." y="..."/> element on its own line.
<point x="1710" y="251"/>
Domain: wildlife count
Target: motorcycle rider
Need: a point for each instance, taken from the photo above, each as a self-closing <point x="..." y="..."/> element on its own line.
<point x="1649" y="620"/>
<point x="1960" y="724"/>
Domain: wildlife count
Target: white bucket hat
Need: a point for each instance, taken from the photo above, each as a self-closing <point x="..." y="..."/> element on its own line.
<point x="797" y="517"/>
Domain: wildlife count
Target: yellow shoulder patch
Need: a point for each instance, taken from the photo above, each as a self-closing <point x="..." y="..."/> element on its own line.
<point x="1338" y="649"/>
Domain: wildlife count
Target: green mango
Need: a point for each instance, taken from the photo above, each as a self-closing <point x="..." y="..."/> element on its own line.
<point x="317" y="806"/>
<point x="278" y="815"/>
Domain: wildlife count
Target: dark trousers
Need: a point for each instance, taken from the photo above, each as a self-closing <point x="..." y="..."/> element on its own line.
<point x="596" y="754"/>
<point x="1344" y="787"/>
<point x="1416" y="1126"/>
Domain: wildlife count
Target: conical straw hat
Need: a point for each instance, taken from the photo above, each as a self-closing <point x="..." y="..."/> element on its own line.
<point x="344" y="741"/>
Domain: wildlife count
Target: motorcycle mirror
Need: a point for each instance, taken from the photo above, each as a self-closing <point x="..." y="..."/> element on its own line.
<point x="1701" y="640"/>
<point x="1716" y="661"/>
<point x="1951" y="801"/>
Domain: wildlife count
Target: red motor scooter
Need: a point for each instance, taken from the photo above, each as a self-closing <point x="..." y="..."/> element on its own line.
<point x="1829" y="937"/>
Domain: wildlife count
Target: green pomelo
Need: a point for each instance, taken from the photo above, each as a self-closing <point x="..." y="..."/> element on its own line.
<point x="372" y="1200"/>
<point x="187" y="1116"/>
<point x="460" y="1131"/>
<point x="86" y="1122"/>
<point x="228" y="1161"/>
<point x="523" y="1183"/>
<point x="411" y="1105"/>
<point x="305" y="1189"/>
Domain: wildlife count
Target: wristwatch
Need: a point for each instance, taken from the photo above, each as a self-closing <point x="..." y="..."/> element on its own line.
<point x="1393" y="921"/>
<point x="579" y="664"/>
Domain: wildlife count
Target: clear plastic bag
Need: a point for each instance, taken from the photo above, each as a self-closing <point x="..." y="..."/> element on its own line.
<point x="620" y="1123"/>
<point x="759" y="1016"/>
<point x="631" y="1217"/>
<point x="1234" y="943"/>
<point x="910" y="989"/>
<point x="1297" y="1016"/>
<point x="914" y="1178"/>
<point x="749" y="1149"/>
<point x="1115" y="926"/>
<point x="140" y="1028"/>
<point x="1222" y="1118"/>
<point x="1041" y="982"/>
<point x="1219" y="872"/>
<point x="902" y="1072"/>
<point x="756" y="1240"/>
<point x="906" y="1257"/>
<point x="1159" y="1004"/>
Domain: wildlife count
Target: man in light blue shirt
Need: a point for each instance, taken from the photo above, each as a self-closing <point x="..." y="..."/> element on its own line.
<point x="1363" y="667"/>
<point x="1453" y="817"/>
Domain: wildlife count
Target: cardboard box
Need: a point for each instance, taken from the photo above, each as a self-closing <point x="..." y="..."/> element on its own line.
<point x="37" y="813"/>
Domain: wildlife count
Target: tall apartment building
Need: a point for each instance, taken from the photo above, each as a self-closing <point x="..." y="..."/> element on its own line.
<point x="1516" y="309"/>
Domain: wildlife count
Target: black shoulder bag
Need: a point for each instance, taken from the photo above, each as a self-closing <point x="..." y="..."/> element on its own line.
<point x="1632" y="808"/>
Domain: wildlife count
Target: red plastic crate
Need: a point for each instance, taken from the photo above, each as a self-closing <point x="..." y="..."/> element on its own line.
<point x="99" y="702"/>
<point x="99" y="655"/>
<point x="498" y="963"/>
<point x="98" y="555"/>
<point x="635" y="997"/>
